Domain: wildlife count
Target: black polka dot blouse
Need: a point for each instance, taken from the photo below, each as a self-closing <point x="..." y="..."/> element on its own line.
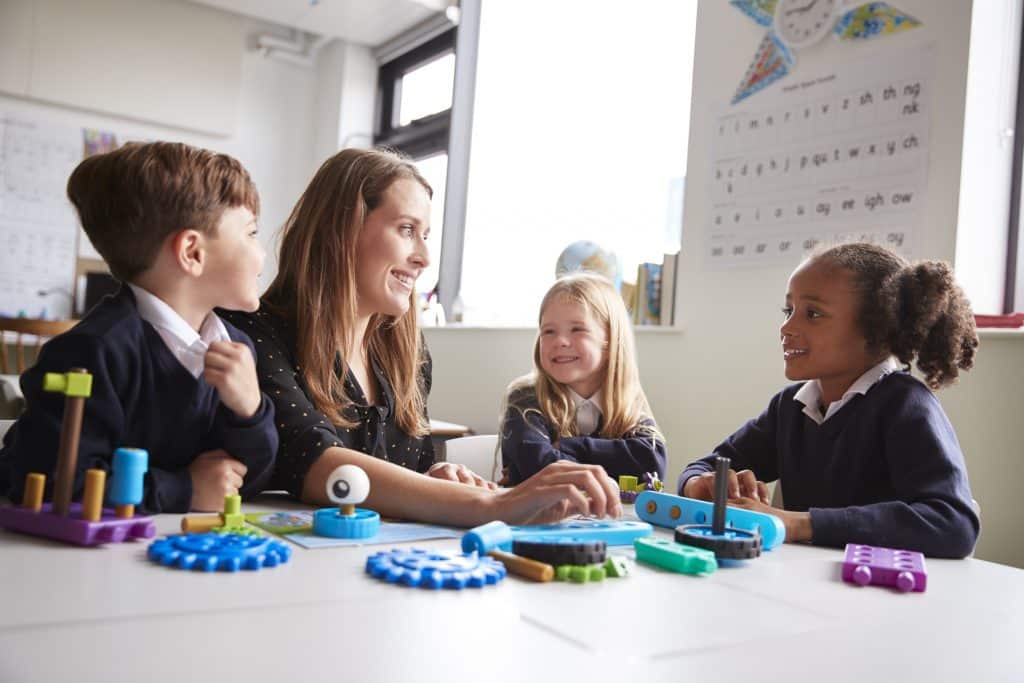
<point x="304" y="431"/>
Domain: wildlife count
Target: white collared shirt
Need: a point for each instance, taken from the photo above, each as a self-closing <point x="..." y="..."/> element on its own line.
<point x="810" y="393"/>
<point x="588" y="412"/>
<point x="184" y="343"/>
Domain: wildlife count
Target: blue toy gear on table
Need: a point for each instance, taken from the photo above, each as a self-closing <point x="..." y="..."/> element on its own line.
<point x="430" y="569"/>
<point x="218" y="552"/>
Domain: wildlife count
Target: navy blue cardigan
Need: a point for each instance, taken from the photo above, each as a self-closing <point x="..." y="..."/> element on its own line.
<point x="528" y="444"/>
<point x="885" y="470"/>
<point x="142" y="397"/>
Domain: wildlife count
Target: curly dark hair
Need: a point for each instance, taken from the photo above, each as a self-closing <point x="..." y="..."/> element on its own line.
<point x="913" y="310"/>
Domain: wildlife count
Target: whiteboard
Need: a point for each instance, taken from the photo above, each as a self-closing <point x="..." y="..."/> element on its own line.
<point x="38" y="225"/>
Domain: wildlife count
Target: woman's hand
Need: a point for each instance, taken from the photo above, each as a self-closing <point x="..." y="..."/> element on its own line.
<point x="742" y="483"/>
<point x="559" y="490"/>
<point x="798" y="524"/>
<point x="460" y="473"/>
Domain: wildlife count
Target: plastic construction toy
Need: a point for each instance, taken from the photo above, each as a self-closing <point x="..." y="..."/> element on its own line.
<point x="727" y="544"/>
<point x="560" y="550"/>
<point x="231" y="521"/>
<point x="901" y="569"/>
<point x="667" y="510"/>
<point x="211" y="552"/>
<point x="524" y="566"/>
<point x="500" y="535"/>
<point x="347" y="485"/>
<point x="630" y="487"/>
<point x="87" y="523"/>
<point x="581" y="573"/>
<point x="683" y="559"/>
<point x="429" y="569"/>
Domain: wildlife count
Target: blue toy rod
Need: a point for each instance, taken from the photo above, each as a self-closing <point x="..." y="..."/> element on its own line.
<point x="500" y="535"/>
<point x="667" y="510"/>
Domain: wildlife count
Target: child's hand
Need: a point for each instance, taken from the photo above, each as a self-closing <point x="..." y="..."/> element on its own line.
<point x="798" y="524"/>
<point x="459" y="473"/>
<point x="561" y="489"/>
<point x="742" y="483"/>
<point x="231" y="370"/>
<point x="215" y="474"/>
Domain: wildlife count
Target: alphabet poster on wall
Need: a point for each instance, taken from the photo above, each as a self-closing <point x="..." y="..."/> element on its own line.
<point x="38" y="224"/>
<point x="828" y="158"/>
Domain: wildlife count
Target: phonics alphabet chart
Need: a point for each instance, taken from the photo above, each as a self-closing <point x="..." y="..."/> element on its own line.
<point x="830" y="157"/>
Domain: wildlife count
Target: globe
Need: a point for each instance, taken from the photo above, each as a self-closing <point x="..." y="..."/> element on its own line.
<point x="592" y="257"/>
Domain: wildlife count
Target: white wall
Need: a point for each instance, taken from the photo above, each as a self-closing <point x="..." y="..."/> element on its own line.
<point x="705" y="381"/>
<point x="273" y="134"/>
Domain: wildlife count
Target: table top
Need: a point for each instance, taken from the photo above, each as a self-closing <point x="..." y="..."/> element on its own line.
<point x="84" y="614"/>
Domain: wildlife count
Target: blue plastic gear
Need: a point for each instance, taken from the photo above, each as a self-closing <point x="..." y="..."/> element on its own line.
<point x="429" y="569"/>
<point x="218" y="552"/>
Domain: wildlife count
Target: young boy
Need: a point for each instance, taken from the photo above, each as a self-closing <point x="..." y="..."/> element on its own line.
<point x="177" y="225"/>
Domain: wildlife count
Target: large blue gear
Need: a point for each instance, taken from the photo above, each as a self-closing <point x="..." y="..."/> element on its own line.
<point x="224" y="552"/>
<point x="429" y="569"/>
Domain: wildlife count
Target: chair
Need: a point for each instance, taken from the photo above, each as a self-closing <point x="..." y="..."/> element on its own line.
<point x="38" y="329"/>
<point x="478" y="453"/>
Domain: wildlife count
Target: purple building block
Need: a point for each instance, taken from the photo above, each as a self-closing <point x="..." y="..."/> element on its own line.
<point x="901" y="569"/>
<point x="74" y="529"/>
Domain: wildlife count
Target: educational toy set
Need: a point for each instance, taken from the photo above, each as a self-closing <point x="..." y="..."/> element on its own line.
<point x="575" y="550"/>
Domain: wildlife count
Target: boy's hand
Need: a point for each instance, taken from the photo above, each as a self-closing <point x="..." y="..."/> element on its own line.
<point x="742" y="483"/>
<point x="231" y="370"/>
<point x="215" y="474"/>
<point x="798" y="524"/>
<point x="459" y="473"/>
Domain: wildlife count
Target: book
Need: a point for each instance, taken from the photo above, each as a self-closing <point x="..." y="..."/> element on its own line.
<point x="668" y="288"/>
<point x="648" y="294"/>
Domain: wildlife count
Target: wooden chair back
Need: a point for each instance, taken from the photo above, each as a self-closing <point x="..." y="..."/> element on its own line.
<point x="37" y="331"/>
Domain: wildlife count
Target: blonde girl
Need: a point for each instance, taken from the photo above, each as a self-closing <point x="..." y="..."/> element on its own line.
<point x="583" y="401"/>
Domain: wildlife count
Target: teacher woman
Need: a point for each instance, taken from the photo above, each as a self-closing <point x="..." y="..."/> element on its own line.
<point x="340" y="355"/>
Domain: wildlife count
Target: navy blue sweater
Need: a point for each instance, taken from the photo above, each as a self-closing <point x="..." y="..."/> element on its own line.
<point x="885" y="470"/>
<point x="528" y="444"/>
<point x="142" y="397"/>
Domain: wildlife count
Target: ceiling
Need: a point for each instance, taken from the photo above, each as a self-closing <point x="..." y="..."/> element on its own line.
<point x="364" y="22"/>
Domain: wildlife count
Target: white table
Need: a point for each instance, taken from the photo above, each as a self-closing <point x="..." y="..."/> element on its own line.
<point x="106" y="614"/>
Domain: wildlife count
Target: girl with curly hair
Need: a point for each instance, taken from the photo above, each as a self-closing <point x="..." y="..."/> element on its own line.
<point x="862" y="449"/>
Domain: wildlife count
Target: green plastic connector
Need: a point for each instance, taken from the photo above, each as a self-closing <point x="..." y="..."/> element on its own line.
<point x="580" y="573"/>
<point x="674" y="556"/>
<point x="241" y="530"/>
<point x="77" y="384"/>
<point x="616" y="567"/>
<point x="627" y="482"/>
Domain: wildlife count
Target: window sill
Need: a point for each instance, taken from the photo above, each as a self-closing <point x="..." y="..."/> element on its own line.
<point x="1001" y="332"/>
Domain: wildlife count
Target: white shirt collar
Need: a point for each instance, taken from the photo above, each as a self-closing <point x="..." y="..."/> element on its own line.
<point x="810" y="393"/>
<point x="588" y="411"/>
<point x="183" y="342"/>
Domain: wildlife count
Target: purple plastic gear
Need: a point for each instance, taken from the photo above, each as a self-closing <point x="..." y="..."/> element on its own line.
<point x="218" y="552"/>
<point x="429" y="569"/>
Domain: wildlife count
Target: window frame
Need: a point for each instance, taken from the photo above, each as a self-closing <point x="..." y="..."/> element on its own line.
<point x="1014" y="285"/>
<point x="425" y="136"/>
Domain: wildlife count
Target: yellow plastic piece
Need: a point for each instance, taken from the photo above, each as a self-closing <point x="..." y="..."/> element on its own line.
<point x="627" y="482"/>
<point x="126" y="511"/>
<point x="34" y="485"/>
<point x="77" y="384"/>
<point x="233" y="516"/>
<point x="92" y="501"/>
<point x="200" y="524"/>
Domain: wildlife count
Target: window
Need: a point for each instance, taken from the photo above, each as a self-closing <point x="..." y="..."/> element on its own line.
<point x="579" y="132"/>
<point x="415" y="117"/>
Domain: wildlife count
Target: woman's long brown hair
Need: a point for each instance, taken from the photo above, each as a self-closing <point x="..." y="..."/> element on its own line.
<point x="315" y="287"/>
